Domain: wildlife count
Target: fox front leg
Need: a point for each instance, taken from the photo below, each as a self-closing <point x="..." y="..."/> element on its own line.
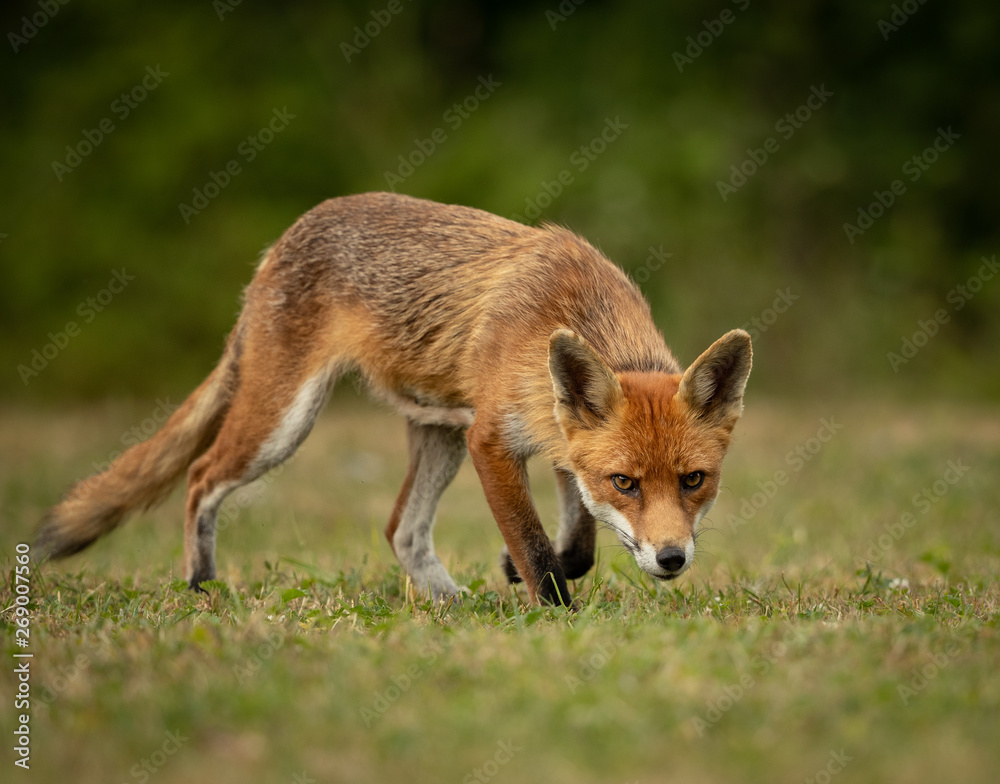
<point x="505" y="484"/>
<point x="577" y="538"/>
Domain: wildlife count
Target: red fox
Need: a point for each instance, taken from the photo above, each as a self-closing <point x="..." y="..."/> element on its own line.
<point x="489" y="336"/>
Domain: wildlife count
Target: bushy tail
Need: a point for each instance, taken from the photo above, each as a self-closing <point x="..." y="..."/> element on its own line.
<point x="144" y="474"/>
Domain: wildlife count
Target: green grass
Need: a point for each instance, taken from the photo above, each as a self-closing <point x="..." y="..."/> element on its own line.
<point x="798" y="645"/>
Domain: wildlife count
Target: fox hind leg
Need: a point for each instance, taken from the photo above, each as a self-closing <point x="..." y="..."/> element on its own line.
<point x="436" y="452"/>
<point x="263" y="428"/>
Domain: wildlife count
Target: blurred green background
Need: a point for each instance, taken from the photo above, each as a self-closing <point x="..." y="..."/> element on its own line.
<point x="125" y="241"/>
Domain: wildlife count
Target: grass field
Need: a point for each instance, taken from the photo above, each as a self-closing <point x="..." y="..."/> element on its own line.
<point x="841" y="621"/>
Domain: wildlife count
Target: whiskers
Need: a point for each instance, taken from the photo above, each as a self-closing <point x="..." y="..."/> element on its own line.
<point x="700" y="550"/>
<point x="627" y="540"/>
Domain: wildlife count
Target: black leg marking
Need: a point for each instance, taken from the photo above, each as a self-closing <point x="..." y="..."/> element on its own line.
<point x="508" y="567"/>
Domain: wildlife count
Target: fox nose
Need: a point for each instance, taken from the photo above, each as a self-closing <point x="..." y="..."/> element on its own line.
<point x="671" y="558"/>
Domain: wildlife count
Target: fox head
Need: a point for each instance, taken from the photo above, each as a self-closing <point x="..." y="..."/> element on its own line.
<point x="646" y="448"/>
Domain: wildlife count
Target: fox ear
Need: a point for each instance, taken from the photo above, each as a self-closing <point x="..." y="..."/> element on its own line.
<point x="586" y="389"/>
<point x="713" y="385"/>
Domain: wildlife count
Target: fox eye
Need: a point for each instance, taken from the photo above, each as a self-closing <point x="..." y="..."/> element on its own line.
<point x="625" y="484"/>
<point x="693" y="480"/>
